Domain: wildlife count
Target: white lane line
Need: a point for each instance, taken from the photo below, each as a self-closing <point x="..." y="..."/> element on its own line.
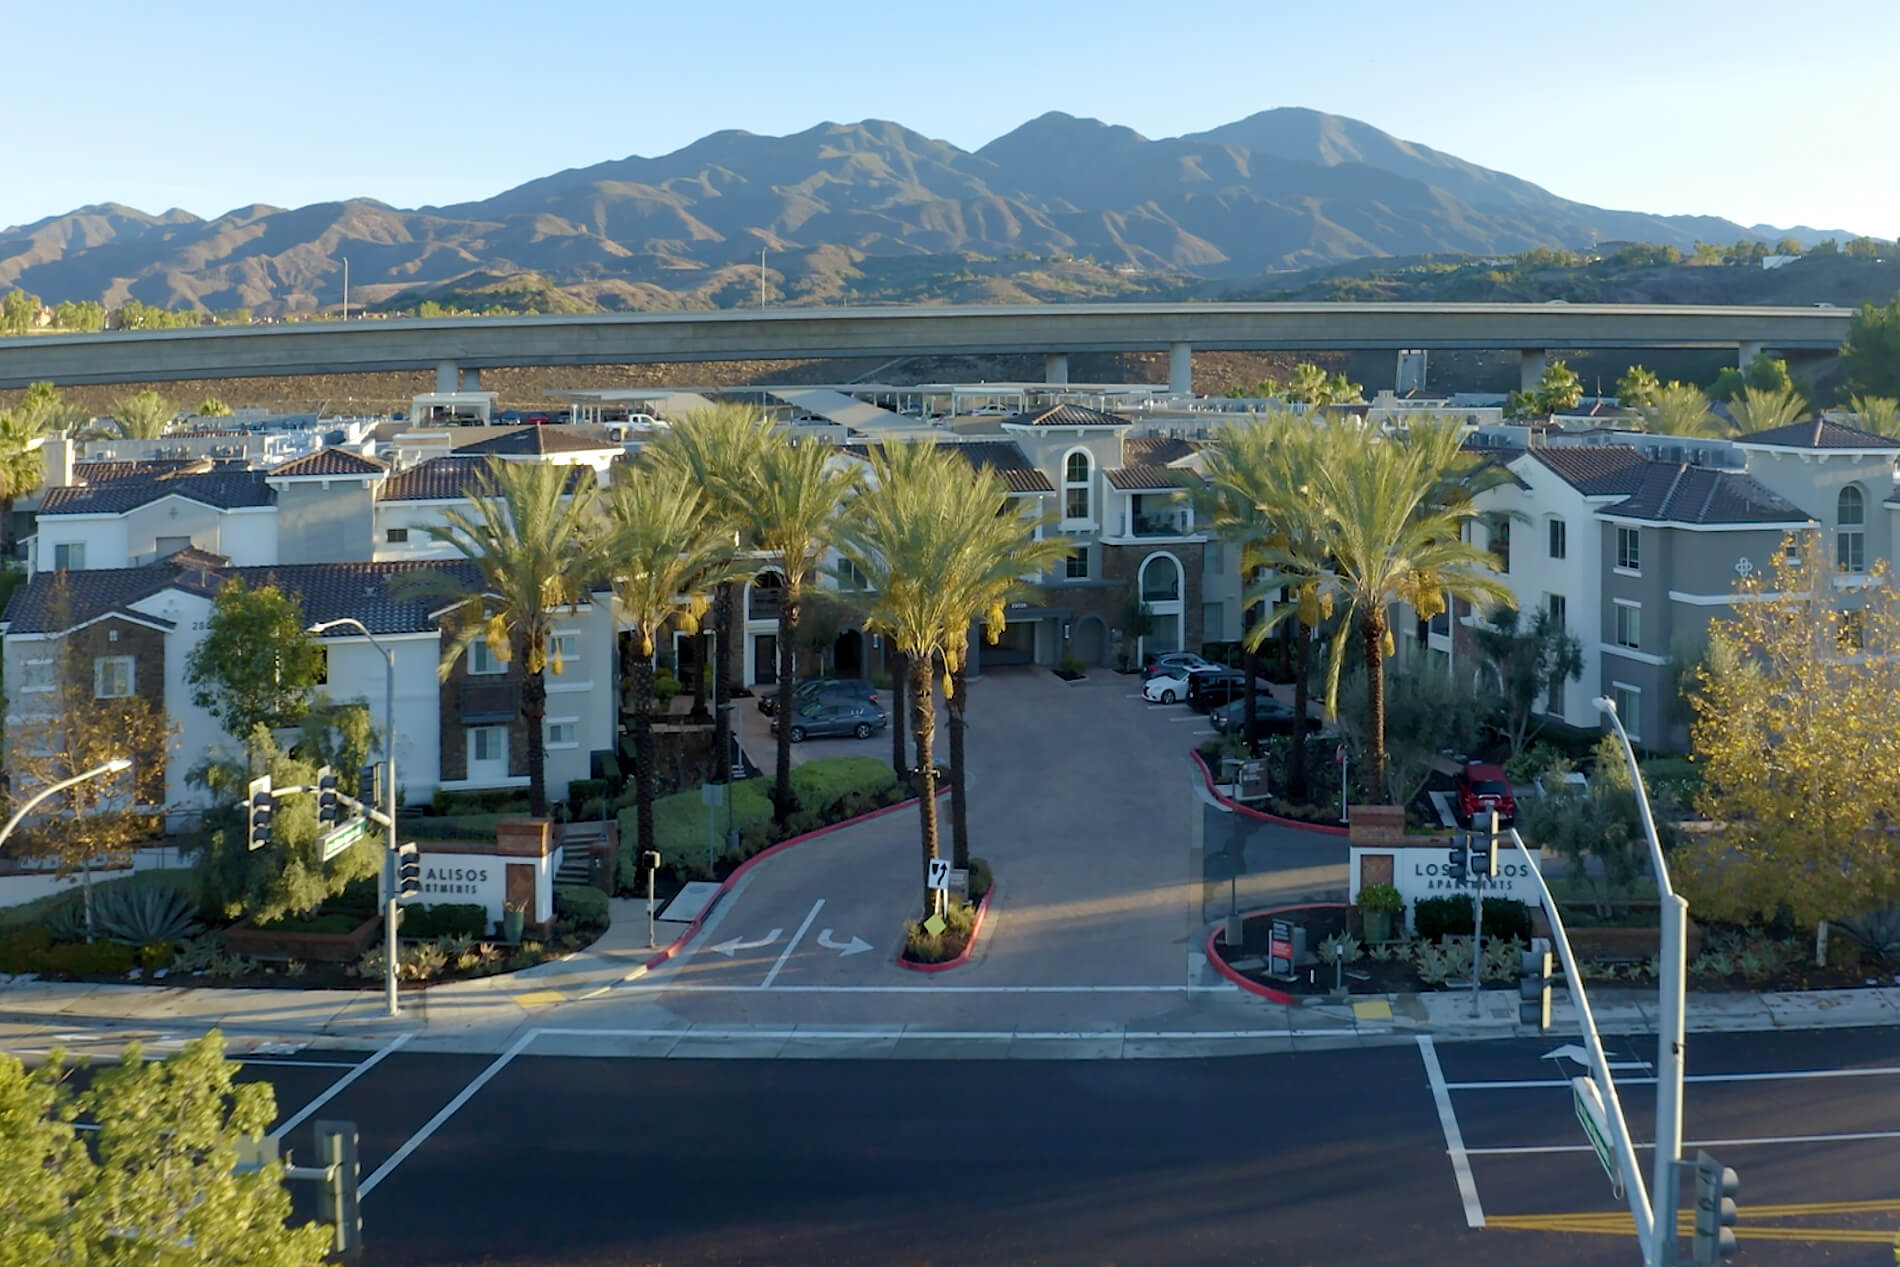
<point x="792" y="945"/>
<point x="1789" y="1075"/>
<point x="858" y="1035"/>
<point x="1753" y="1141"/>
<point x="447" y="1111"/>
<point x="1454" y="1138"/>
<point x="334" y="1088"/>
<point x="687" y="987"/>
<point x="296" y="1064"/>
<point x="1191" y="717"/>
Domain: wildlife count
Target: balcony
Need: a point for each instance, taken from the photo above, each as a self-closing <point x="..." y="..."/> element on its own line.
<point x="490" y="702"/>
<point x="1150" y="515"/>
<point x="764" y="603"/>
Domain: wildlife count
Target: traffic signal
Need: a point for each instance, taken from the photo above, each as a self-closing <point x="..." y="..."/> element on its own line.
<point x="1715" y="1189"/>
<point x="1458" y="861"/>
<point x="1533" y="990"/>
<point x="329" y="808"/>
<point x="408" y="872"/>
<point x="650" y="860"/>
<point x="1484" y="848"/>
<point x="259" y="807"/>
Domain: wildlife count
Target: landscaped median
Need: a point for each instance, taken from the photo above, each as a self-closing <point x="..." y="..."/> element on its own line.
<point x="962" y="923"/>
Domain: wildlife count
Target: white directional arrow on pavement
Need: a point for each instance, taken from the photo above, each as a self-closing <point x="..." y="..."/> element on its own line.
<point x="856" y="946"/>
<point x="727" y="948"/>
<point x="1570" y="1051"/>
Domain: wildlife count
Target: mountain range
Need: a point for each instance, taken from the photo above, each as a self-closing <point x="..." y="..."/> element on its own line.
<point x="1061" y="207"/>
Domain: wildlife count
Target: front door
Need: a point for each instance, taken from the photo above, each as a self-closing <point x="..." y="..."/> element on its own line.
<point x="487" y="754"/>
<point x="765" y="659"/>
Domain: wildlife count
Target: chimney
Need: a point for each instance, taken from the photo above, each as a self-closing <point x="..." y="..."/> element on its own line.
<point x="56" y="454"/>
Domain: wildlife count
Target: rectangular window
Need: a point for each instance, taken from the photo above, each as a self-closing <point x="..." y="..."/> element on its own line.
<point x="69" y="556"/>
<point x="1629" y="555"/>
<point x="482" y="661"/>
<point x="1629" y="624"/>
<point x="396" y="536"/>
<point x="850" y="577"/>
<point x="112" y="677"/>
<point x="1076" y="503"/>
<point x="568" y="647"/>
<point x="36" y="675"/>
<point x="1078" y="565"/>
<point x="168" y="546"/>
<point x="1501" y="543"/>
<point x="1213" y="622"/>
<point x="1559" y="610"/>
<point x="1213" y="561"/>
<point x="488" y="743"/>
<point x="1559" y="539"/>
<point x="1850" y="550"/>
<point x="1629" y="707"/>
<point x="564" y="732"/>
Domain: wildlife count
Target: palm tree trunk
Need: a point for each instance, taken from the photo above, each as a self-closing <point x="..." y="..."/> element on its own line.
<point x="534" y="709"/>
<point x="923" y="723"/>
<point x="6" y="528"/>
<point x="722" y="685"/>
<point x="959" y="797"/>
<point x="1250" y="693"/>
<point x="782" y="805"/>
<point x="1372" y="629"/>
<point x="1300" y="637"/>
<point x="699" y="676"/>
<point x="900" y="691"/>
<point x="644" y="783"/>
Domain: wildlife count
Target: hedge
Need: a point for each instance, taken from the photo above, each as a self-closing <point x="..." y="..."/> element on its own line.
<point x="32" y="950"/>
<point x="1436" y="917"/>
<point x="583" y="903"/>
<point x="446" y="919"/>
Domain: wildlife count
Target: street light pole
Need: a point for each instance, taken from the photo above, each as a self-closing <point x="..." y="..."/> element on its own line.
<point x="389" y="801"/>
<point x="113" y="766"/>
<point x="1669" y="1033"/>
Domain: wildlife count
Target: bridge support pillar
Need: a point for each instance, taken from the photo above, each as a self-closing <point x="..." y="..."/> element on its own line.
<point x="471" y="381"/>
<point x="1180" y="369"/>
<point x="1530" y="368"/>
<point x="1055" y="367"/>
<point x="448" y="376"/>
<point x="1746" y="353"/>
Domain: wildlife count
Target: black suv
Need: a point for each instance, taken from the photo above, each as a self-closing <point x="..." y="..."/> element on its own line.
<point x="1210" y="688"/>
<point x="831" y="689"/>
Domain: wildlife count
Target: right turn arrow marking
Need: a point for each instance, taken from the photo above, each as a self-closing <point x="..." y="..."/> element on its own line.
<point x="856" y="946"/>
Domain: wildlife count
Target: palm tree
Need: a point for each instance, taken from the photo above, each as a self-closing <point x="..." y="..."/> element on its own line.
<point x="1390" y="520"/>
<point x="533" y="534"/>
<point x="667" y="549"/>
<point x="21" y="470"/>
<point x="1878" y="414"/>
<point x="788" y="503"/>
<point x="916" y="532"/>
<point x="1759" y="410"/>
<point x="1680" y="409"/>
<point x="143" y="415"/>
<point x="712" y="451"/>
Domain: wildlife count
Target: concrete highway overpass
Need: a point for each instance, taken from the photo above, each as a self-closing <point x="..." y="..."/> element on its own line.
<point x="455" y="346"/>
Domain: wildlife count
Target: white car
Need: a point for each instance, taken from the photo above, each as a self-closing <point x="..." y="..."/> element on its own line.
<point x="1176" y="663"/>
<point x="1165" y="688"/>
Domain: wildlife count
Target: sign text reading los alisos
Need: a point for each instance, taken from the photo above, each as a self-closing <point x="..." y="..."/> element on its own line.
<point x="1427" y="873"/>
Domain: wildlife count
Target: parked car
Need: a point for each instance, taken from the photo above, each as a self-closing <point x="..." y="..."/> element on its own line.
<point x="811" y="688"/>
<point x="1166" y="688"/>
<point x="1270" y="717"/>
<point x="1210" y="688"/>
<point x="1482" y="787"/>
<point x="819" y="717"/>
<point x="1169" y="661"/>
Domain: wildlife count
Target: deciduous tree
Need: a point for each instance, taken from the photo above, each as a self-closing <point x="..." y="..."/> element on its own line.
<point x="256" y="665"/>
<point x="1638" y="388"/>
<point x="1872" y="351"/>
<point x="1531" y="661"/>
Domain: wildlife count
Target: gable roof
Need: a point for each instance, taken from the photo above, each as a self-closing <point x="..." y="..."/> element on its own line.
<point x="373" y="593"/>
<point x="329" y="462"/>
<point x="222" y="489"/>
<point x="453" y="478"/>
<point x="1818" y="434"/>
<point x="1673" y="492"/>
<point x="538" y="442"/>
<point x="1007" y="461"/>
<point x="1595" y="470"/>
<point x="1154" y="450"/>
<point x="1065" y="416"/>
<point x="1149" y="477"/>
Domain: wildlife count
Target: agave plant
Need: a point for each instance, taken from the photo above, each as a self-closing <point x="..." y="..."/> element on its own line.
<point x="67" y="921"/>
<point x="140" y="914"/>
<point x="1876" y="934"/>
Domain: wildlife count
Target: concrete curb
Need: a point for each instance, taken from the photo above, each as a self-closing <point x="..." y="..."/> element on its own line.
<point x="1255" y="987"/>
<point x="1259" y="815"/>
<point x="969" y="947"/>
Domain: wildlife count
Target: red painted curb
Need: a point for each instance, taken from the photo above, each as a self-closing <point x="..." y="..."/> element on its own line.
<point x="976" y="931"/>
<point x="1298" y="824"/>
<point x="1254" y="987"/>
<point x="761" y="856"/>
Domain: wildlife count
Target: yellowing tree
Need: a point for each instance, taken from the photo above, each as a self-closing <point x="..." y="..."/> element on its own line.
<point x="1801" y="762"/>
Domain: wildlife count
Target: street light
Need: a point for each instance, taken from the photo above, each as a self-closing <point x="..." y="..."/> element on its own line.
<point x="113" y="766"/>
<point x="389" y="798"/>
<point x="1669" y="1033"/>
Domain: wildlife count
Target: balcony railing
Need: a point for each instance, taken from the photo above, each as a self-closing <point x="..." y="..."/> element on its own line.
<point x="489" y="702"/>
<point x="764" y="604"/>
<point x="1170" y="523"/>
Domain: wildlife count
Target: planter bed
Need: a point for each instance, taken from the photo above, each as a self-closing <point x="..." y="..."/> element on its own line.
<point x="247" y="939"/>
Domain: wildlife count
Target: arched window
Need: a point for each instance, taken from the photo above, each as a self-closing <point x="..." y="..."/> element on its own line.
<point x="1850" y="530"/>
<point x="1075" y="486"/>
<point x="1160" y="579"/>
<point x="766" y="597"/>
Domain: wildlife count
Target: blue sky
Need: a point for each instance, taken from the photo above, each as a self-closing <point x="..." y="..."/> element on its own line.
<point x="1753" y="111"/>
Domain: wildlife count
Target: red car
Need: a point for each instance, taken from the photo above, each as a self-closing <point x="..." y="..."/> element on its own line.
<point x="1483" y="787"/>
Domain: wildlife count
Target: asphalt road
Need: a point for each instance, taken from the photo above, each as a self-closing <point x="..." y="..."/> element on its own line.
<point x="1335" y="1157"/>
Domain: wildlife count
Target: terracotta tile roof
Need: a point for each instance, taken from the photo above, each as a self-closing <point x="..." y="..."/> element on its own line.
<point x="330" y="461"/>
<point x="1673" y="492"/>
<point x="378" y="594"/>
<point x="224" y="489"/>
<point x="1818" y="434"/>
<point x="1008" y="462"/>
<point x="538" y="442"/>
<point x="452" y="478"/>
<point x="114" y="472"/>
<point x="1154" y="450"/>
<point x="1595" y="470"/>
<point x="1143" y="478"/>
<point x="1065" y="416"/>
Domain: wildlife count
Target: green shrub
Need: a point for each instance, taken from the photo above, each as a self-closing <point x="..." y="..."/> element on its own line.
<point x="1380" y="897"/>
<point x="149" y="913"/>
<point x="920" y="947"/>
<point x="823" y="783"/>
<point x="981" y="878"/>
<point x="446" y="919"/>
<point x="801" y="821"/>
<point x="359" y="895"/>
<point x="758" y="837"/>
<point x="326" y="922"/>
<point x="84" y="959"/>
<point x="19" y="946"/>
<point x="1073" y="666"/>
<point x="1436" y="917"/>
<point x="584" y="790"/>
<point x="156" y="955"/>
<point x="583" y="903"/>
<point x="665" y="687"/>
<point x="493" y="801"/>
<point x="856" y="803"/>
<point x="1507" y="917"/>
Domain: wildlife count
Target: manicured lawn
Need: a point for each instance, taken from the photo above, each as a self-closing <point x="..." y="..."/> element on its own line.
<point x="679" y="820"/>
